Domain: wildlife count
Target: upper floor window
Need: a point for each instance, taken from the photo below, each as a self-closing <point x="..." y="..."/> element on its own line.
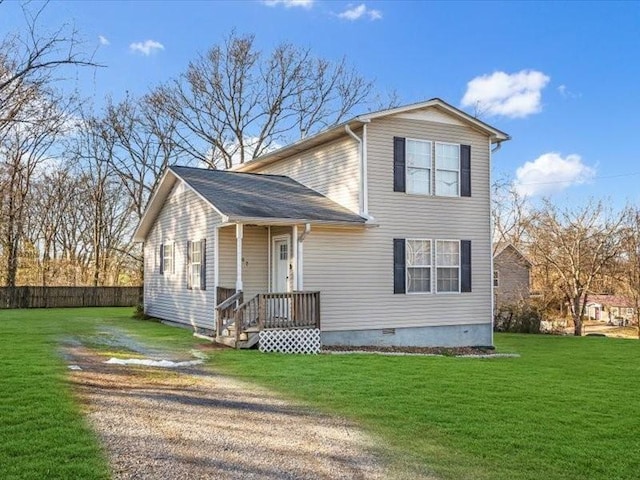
<point x="415" y="160"/>
<point x="447" y="169"/>
<point x="496" y="279"/>
<point x="418" y="154"/>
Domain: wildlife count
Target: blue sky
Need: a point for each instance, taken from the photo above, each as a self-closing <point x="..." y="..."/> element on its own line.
<point x="560" y="78"/>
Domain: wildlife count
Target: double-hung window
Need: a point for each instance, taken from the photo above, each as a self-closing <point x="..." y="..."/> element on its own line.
<point x="196" y="264"/>
<point x="418" y="154"/>
<point x="447" y="169"/>
<point x="418" y="266"/>
<point x="447" y="266"/>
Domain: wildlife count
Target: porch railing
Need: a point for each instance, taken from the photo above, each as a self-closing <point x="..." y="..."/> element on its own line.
<point x="279" y="310"/>
<point x="226" y="310"/>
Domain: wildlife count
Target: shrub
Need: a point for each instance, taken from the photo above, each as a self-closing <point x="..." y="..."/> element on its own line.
<point x="517" y="318"/>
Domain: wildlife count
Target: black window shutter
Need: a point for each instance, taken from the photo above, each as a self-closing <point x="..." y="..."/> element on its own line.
<point x="187" y="266"/>
<point x="465" y="265"/>
<point x="399" y="164"/>
<point x="203" y="264"/>
<point x="399" y="262"/>
<point x="465" y="170"/>
<point x="161" y="262"/>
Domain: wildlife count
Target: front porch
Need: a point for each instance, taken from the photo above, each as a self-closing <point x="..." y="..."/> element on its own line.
<point x="265" y="262"/>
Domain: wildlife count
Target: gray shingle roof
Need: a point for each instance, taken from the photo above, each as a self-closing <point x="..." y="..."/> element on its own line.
<point x="249" y="195"/>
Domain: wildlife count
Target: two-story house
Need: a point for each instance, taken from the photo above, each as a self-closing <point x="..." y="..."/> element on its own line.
<point x="377" y="230"/>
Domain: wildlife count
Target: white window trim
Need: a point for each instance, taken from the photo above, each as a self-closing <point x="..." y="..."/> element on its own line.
<point x="459" y="266"/>
<point x="430" y="266"/>
<point x="173" y="258"/>
<point x="431" y="164"/>
<point x="435" y="170"/>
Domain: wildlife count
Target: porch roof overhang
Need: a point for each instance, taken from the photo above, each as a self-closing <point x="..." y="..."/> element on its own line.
<point x="249" y="198"/>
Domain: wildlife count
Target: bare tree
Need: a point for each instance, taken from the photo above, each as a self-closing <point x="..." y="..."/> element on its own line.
<point x="33" y="59"/>
<point x="510" y="213"/>
<point x="574" y="245"/>
<point x="24" y="148"/>
<point x="235" y="103"/>
<point x="629" y="265"/>
<point x="142" y="139"/>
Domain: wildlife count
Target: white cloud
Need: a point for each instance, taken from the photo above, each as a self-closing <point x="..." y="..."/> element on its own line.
<point x="103" y="40"/>
<point x="550" y="173"/>
<point x="146" y="48"/>
<point x="566" y="93"/>
<point x="515" y="95"/>
<point x="289" y="3"/>
<point x="361" y="11"/>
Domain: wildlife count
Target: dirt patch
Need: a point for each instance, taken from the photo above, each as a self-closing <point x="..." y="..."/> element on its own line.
<point x="190" y="423"/>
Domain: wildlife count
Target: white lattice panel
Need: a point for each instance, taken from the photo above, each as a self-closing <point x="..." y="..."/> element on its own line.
<point x="303" y="340"/>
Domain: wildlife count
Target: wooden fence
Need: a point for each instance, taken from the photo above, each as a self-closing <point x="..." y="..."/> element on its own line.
<point x="51" y="297"/>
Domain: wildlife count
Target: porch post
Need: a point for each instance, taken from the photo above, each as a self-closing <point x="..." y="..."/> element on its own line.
<point x="296" y="266"/>
<point x="239" y="234"/>
<point x="216" y="281"/>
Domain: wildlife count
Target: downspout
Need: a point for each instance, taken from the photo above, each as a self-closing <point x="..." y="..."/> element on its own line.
<point x="491" y="227"/>
<point x="362" y="151"/>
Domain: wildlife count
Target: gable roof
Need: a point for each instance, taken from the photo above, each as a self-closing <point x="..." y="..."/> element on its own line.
<point x="337" y="131"/>
<point x="610" y="300"/>
<point x="501" y="247"/>
<point x="248" y="197"/>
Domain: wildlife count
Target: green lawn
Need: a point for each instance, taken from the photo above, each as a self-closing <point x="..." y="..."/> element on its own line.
<point x="568" y="408"/>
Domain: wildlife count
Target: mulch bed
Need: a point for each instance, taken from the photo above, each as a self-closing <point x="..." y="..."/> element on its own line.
<point x="449" y="352"/>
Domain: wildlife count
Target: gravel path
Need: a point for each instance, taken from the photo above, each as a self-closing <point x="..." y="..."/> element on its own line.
<point x="192" y="424"/>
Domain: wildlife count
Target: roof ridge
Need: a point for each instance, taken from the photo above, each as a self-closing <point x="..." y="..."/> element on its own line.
<point x="230" y="171"/>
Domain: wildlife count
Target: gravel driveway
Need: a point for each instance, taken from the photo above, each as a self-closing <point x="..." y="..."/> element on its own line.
<point x="191" y="424"/>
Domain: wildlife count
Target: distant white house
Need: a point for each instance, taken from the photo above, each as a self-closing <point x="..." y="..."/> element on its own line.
<point x="376" y="230"/>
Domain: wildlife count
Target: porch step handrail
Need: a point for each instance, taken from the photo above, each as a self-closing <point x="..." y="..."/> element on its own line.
<point x="226" y="310"/>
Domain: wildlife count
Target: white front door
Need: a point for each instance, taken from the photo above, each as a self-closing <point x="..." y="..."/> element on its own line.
<point x="280" y="256"/>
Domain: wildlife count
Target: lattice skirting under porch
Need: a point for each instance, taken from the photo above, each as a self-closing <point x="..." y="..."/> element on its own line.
<point x="302" y="340"/>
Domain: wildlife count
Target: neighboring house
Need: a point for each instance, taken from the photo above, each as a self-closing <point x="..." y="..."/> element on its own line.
<point x="383" y="222"/>
<point x="511" y="276"/>
<point x="615" y="309"/>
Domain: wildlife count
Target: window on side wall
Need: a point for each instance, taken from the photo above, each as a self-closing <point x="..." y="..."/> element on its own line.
<point x="418" y="158"/>
<point x="496" y="279"/>
<point x="168" y="258"/>
<point x="196" y="265"/>
<point x="447" y="266"/>
<point x="418" y="266"/>
<point x="447" y="169"/>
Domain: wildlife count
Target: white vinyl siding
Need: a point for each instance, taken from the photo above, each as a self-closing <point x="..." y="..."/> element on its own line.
<point x="184" y="216"/>
<point x="254" y="259"/>
<point x="418" y="266"/>
<point x="353" y="268"/>
<point x="332" y="169"/>
<point x="447" y="169"/>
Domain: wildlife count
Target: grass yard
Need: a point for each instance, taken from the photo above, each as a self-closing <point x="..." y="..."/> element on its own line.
<point x="569" y="408"/>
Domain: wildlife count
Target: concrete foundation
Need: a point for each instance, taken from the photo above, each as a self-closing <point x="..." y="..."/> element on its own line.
<point x="440" y="336"/>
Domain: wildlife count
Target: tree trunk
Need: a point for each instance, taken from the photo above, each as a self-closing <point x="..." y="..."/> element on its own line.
<point x="577" y="325"/>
